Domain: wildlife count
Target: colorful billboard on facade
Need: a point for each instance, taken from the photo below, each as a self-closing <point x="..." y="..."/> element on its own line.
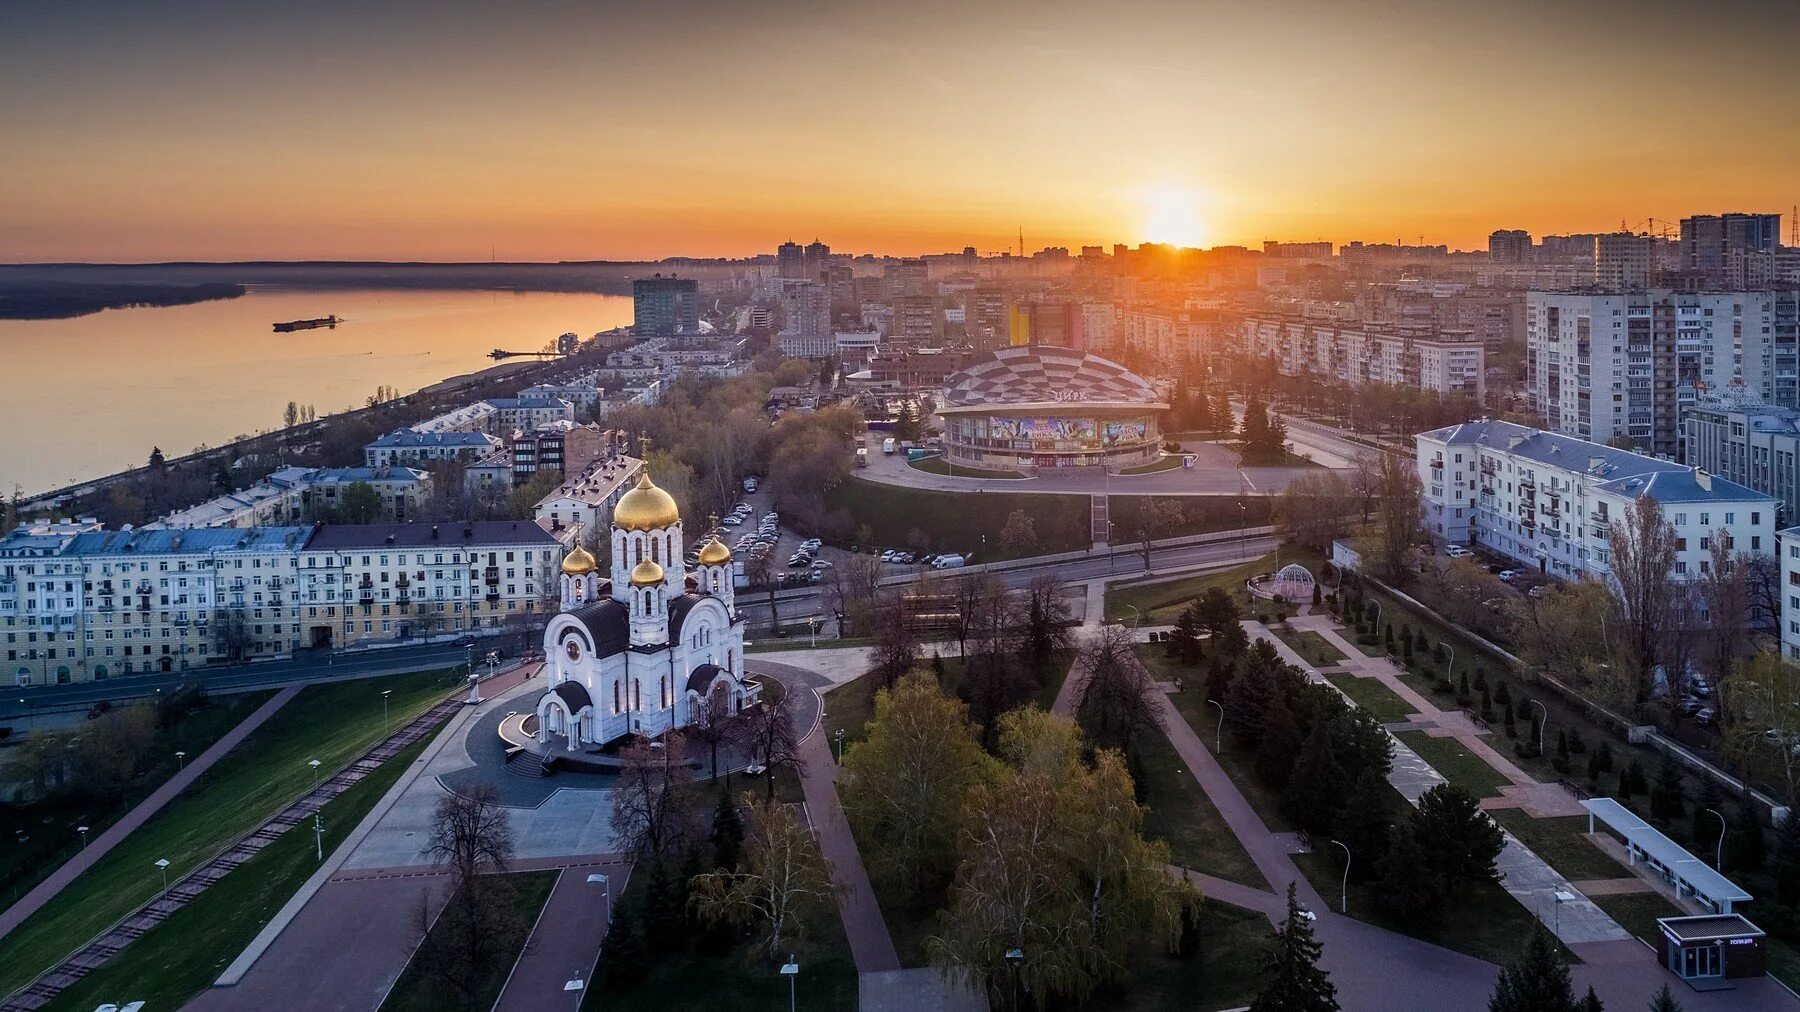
<point x="1125" y="432"/>
<point x="1061" y="429"/>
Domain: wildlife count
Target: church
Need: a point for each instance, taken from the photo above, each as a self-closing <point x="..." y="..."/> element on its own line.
<point x="639" y="653"/>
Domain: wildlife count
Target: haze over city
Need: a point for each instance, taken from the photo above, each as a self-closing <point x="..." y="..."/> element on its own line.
<point x="565" y="130"/>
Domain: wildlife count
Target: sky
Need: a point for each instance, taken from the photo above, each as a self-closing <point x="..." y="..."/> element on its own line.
<point x="537" y="130"/>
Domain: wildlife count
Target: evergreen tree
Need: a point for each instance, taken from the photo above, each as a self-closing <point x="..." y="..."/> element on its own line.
<point x="1275" y="435"/>
<point x="1184" y="642"/>
<point x="1407" y="885"/>
<point x="1364" y="825"/>
<point x="728" y="832"/>
<point x="1221" y="412"/>
<point x="1604" y="756"/>
<point x="1316" y="786"/>
<point x="156" y="461"/>
<point x="1294" y="981"/>
<point x="1636" y="773"/>
<point x="1461" y="841"/>
<point x="624" y="956"/>
<point x="663" y="913"/>
<point x="1419" y="639"/>
<point x="1280" y="741"/>
<point x="1664" y="1001"/>
<point x="1201" y="418"/>
<point x="1219" y="677"/>
<point x="1388" y="639"/>
<point x="1745" y="850"/>
<point x="1666" y="800"/>
<point x="1537" y="981"/>
<point x="1592" y="1002"/>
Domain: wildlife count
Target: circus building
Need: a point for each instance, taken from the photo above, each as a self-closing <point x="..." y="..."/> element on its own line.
<point x="637" y="650"/>
<point x="1037" y="406"/>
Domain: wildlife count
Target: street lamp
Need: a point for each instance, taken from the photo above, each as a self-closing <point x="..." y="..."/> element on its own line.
<point x="1137" y="617"/>
<point x="1450" y="665"/>
<point x="1219" y="729"/>
<point x="385" y="725"/>
<point x="607" y="882"/>
<point x="314" y="763"/>
<point x="839" y="735"/>
<point x="180" y="761"/>
<point x="1543" y="721"/>
<point x="812" y="623"/>
<point x="83" y="830"/>
<point x="1014" y="958"/>
<point x="318" y="836"/>
<point x="1562" y="896"/>
<point x="1243" y="543"/>
<point x="1719" y="858"/>
<point x="790" y="970"/>
<point x="1344" y="886"/>
<point x="163" y="864"/>
<point x="1378" y="617"/>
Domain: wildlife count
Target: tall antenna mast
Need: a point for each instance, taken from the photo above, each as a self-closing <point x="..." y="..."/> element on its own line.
<point x="1021" y="241"/>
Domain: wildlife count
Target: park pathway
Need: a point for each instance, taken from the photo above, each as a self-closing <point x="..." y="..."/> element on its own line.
<point x="71" y="869"/>
<point x="870" y="943"/>
<point x="565" y="943"/>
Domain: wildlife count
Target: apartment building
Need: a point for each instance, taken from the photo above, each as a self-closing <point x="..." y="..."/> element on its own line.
<point x="476" y="417"/>
<point x="1755" y="445"/>
<point x="293" y="495"/>
<point x="562" y="447"/>
<point x="79" y="603"/>
<point x="409" y="446"/>
<point x="1443" y="362"/>
<point x="1789" y="540"/>
<point x="1623" y="260"/>
<point x="512" y="414"/>
<point x="1547" y="500"/>
<point x="1610" y="365"/>
<point x="806" y="320"/>
<point x="586" y="500"/>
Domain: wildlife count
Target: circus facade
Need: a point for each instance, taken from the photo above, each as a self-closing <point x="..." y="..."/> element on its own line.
<point x="1035" y="406"/>
<point x="642" y="651"/>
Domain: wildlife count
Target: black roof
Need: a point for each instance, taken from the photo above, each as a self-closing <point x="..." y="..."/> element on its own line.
<point x="574" y="694"/>
<point x="702" y="678"/>
<point x="608" y="623"/>
<point x="462" y="534"/>
<point x="678" y="613"/>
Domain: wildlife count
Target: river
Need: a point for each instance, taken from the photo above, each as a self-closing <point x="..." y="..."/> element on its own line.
<point x="85" y="397"/>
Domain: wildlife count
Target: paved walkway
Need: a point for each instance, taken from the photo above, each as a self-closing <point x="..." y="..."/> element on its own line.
<point x="141" y="813"/>
<point x="565" y="943"/>
<point x="870" y="943"/>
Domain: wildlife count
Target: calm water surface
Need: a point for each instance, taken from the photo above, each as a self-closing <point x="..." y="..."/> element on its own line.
<point x="85" y="397"/>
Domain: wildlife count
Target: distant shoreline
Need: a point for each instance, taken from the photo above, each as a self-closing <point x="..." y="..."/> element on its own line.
<point x="67" y="300"/>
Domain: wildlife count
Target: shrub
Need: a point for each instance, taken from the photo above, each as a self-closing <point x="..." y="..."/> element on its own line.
<point x="1576" y="744"/>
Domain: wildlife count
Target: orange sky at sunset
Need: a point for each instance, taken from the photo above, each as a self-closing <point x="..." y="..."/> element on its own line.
<point x="546" y="131"/>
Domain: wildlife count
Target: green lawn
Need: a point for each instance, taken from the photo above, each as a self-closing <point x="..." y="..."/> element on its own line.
<point x="1784" y="962"/>
<point x="1168" y="463"/>
<point x="1563" y="843"/>
<point x="1161" y="602"/>
<point x="1180" y="812"/>
<point x="961" y="521"/>
<point x="1200" y="514"/>
<point x="938" y="465"/>
<point x="333" y="723"/>
<point x="1317" y="650"/>
<point x="36" y="839"/>
<point x="418" y="991"/>
<point x="1637" y="912"/>
<point x="692" y="979"/>
<point x="1225" y="973"/>
<point x="1457" y="764"/>
<point x="1482" y="921"/>
<point x="182" y="956"/>
<point x="1383" y="703"/>
<point x="1238" y="762"/>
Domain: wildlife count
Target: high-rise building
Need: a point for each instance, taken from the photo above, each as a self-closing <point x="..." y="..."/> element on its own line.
<point x="918" y="321"/>
<point x="790" y="262"/>
<point x="1708" y="240"/>
<point x="910" y="276"/>
<point x="663" y="306"/>
<point x="806" y="320"/>
<point x="984" y="320"/>
<point x="813" y="259"/>
<point x="840" y="288"/>
<point x="1605" y="366"/>
<point x="1053" y="324"/>
<point x="1509" y="246"/>
<point x="1623" y="261"/>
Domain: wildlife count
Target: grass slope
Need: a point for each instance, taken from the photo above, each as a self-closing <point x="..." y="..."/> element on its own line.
<point x="417" y="991"/>
<point x="958" y="521"/>
<point x="332" y="722"/>
<point x="1369" y="694"/>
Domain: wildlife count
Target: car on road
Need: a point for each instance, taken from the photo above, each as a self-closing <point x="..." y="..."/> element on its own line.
<point x="1507" y="575"/>
<point x="750" y="484"/>
<point x="1705" y="716"/>
<point x="1457" y="552"/>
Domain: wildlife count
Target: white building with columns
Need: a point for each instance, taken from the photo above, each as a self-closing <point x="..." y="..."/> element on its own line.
<point x="639" y="652"/>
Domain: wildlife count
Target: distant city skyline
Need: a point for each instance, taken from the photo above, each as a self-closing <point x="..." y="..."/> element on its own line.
<point x="557" y="130"/>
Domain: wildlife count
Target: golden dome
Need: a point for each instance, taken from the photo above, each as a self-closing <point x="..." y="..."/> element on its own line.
<point x="646" y="574"/>
<point x="646" y="507"/>
<point x="715" y="553"/>
<point x="579" y="562"/>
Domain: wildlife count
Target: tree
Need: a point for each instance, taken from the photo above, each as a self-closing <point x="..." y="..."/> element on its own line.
<point x="1724" y="591"/>
<point x="230" y="628"/>
<point x="896" y="642"/>
<point x="472" y="836"/>
<point x="1043" y="623"/>
<point x="1155" y="518"/>
<point x="784" y="880"/>
<point x="156" y="462"/>
<point x="649" y="817"/>
<point x="1293" y="980"/>
<point x="1118" y="696"/>
<point x="1364" y="825"/>
<point x="1537" y="981"/>
<point x="1667" y="803"/>
<point x="1316" y="784"/>
<point x="1592" y="1002"/>
<point x="1397" y="515"/>
<point x="1643" y="547"/>
<point x="1762" y="725"/>
<point x="1407" y="883"/>
<point x="1183" y="643"/>
<point x="291" y="416"/>
<point x="1315" y="510"/>
<point x="727" y="832"/>
<point x="904" y="784"/>
<point x="1019" y="536"/>
<point x="1281" y="742"/>
<point x="906" y="422"/>
<point x="711" y="724"/>
<point x="1560" y="630"/>
<point x="1459" y="839"/>
<point x="774" y="741"/>
<point x="1786" y="861"/>
<point x="1664" y="1001"/>
<point x="359" y="504"/>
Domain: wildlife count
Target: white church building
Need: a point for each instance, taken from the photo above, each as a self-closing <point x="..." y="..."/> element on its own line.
<point x="640" y="652"/>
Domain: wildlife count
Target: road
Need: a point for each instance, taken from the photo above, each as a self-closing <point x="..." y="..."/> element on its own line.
<point x="1216" y="473"/>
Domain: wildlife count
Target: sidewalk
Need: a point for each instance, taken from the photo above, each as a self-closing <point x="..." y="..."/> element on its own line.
<point x="870" y="943"/>
<point x="565" y="943"/>
<point x="72" y="868"/>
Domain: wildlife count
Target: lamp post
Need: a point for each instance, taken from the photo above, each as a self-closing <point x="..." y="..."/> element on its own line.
<point x="1219" y="730"/>
<point x="1719" y="857"/>
<point x="1015" y="957"/>
<point x="599" y="879"/>
<point x="1344" y="886"/>
<point x="1449" y="665"/>
<point x="839" y="735"/>
<point x="1543" y="723"/>
<point x="180" y="761"/>
<point x="314" y="763"/>
<point x="1137" y="617"/>
<point x="1562" y="896"/>
<point x="83" y="830"/>
<point x="790" y="970"/>
<point x="812" y="625"/>
<point x="1378" y="618"/>
<point x="385" y="725"/>
<point x="1243" y="542"/>
<point x="318" y="836"/>
<point x="162" y="864"/>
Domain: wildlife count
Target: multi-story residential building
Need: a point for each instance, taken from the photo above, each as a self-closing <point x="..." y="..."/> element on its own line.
<point x="409" y="446"/>
<point x="562" y="447"/>
<point x="1548" y="500"/>
<point x="1623" y="261"/>
<point x="79" y="603"/>
<point x="665" y="305"/>
<point x="1320" y="250"/>
<point x="1444" y="363"/>
<point x="1623" y="365"/>
<point x="1755" y="445"/>
<point x="984" y="320"/>
<point x="292" y="495"/>
<point x="1509" y="246"/>
<point x="1708" y="240"/>
<point x="491" y="476"/>
<point x="1789" y="541"/>
<point x="585" y="502"/>
<point x="806" y="320"/>
<point x="1055" y="324"/>
<point x="476" y="417"/>
<point x="790" y="261"/>
<point x="513" y="414"/>
<point x="856" y="346"/>
<point x="909" y="276"/>
<point x="918" y="320"/>
<point x="916" y="368"/>
<point x="583" y="392"/>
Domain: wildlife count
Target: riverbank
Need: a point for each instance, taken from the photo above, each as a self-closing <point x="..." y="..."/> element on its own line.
<point x="67" y="300"/>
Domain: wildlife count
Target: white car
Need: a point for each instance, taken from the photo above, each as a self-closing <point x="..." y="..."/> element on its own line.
<point x="1457" y="552"/>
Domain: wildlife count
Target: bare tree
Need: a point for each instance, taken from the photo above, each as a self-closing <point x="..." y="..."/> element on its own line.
<point x="1316" y="509"/>
<point x="712" y="724"/>
<point x="896" y="642"/>
<point x="783" y="880"/>
<point x="1643" y="549"/>
<point x="1043" y="623"/>
<point x="774" y="740"/>
<point x="648" y="817"/>
<point x="1155" y="518"/>
<point x="1724" y="594"/>
<point x="1118" y="694"/>
<point x="850" y="591"/>
<point x="974" y="594"/>
<point x="1397" y="514"/>
<point x="230" y="629"/>
<point x="1762" y="587"/>
<point x="473" y="837"/>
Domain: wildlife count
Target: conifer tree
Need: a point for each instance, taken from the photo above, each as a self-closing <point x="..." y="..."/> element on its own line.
<point x="1787" y="861"/>
<point x="1280" y="742"/>
<point x="1592" y="1002"/>
<point x="1664" y="1001"/>
<point x="1537" y="981"/>
<point x="1295" y="983"/>
<point x="1666" y="800"/>
<point x="1316" y="786"/>
<point x="728" y="832"/>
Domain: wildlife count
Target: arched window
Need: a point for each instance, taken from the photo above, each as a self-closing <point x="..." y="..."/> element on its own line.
<point x="637" y="701"/>
<point x="615" y="697"/>
<point x="656" y="551"/>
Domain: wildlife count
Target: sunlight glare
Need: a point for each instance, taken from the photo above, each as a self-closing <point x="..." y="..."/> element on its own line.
<point x="1171" y="215"/>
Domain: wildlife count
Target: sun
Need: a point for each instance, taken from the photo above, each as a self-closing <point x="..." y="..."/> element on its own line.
<point x="1172" y="216"/>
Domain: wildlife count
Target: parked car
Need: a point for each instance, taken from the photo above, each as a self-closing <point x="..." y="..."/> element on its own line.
<point x="1705" y="716"/>
<point x="1457" y="552"/>
<point x="821" y="564"/>
<point x="1507" y="575"/>
<point x="750" y="484"/>
<point x="1688" y="706"/>
<point x="888" y="555"/>
<point x="99" y="709"/>
<point x="1537" y="591"/>
<point x="1699" y="686"/>
<point x="949" y="562"/>
<point x="813" y="544"/>
<point x="732" y="520"/>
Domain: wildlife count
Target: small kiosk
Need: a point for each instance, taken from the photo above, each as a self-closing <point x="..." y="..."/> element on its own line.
<point x="1710" y="949"/>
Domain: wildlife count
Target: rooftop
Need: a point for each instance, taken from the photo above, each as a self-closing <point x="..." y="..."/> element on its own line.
<point x="203" y="541"/>
<point x="1707" y="927"/>
<point x="1038" y="374"/>
<point x="1704" y="880"/>
<point x="421" y="535"/>
<point x="1618" y="470"/>
<point x="411" y="437"/>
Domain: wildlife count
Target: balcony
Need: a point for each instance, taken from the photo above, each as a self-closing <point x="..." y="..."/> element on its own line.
<point x="1438" y="464"/>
